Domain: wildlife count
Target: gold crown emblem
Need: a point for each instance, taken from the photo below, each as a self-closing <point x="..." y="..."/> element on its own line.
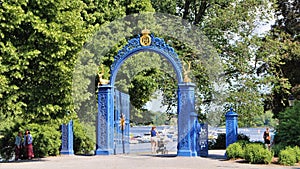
<point x="145" y="39"/>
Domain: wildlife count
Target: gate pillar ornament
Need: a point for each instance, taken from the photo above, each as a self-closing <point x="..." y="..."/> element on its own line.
<point x="105" y="121"/>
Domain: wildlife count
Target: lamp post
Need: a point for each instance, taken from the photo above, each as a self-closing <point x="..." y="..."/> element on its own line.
<point x="291" y="100"/>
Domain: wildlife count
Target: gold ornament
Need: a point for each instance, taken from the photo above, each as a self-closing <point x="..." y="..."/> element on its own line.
<point x="145" y="39"/>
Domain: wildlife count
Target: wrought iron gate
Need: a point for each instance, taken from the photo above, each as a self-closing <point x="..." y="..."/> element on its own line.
<point x="121" y="122"/>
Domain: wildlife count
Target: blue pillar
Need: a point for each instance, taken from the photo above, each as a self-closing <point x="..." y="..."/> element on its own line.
<point x="231" y="127"/>
<point x="67" y="139"/>
<point x="105" y="121"/>
<point x="186" y="120"/>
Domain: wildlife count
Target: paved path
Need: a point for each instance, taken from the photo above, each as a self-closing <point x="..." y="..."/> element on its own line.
<point x="137" y="161"/>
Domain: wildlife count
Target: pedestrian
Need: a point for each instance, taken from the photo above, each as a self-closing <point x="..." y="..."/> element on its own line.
<point x="18" y="146"/>
<point x="267" y="138"/>
<point x="28" y="145"/>
<point x="153" y="140"/>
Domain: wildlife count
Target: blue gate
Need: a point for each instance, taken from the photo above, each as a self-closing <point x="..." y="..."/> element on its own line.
<point x="121" y="122"/>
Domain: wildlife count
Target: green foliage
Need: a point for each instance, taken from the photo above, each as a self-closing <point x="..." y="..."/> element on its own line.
<point x="143" y="85"/>
<point x="257" y="154"/>
<point x="243" y="138"/>
<point x="281" y="53"/>
<point x="276" y="148"/>
<point x="83" y="144"/>
<point x="38" y="51"/>
<point x="297" y="152"/>
<point x="288" y="129"/>
<point x="7" y="142"/>
<point x="287" y="156"/>
<point x="46" y="139"/>
<point x="234" y="151"/>
<point x="220" y="142"/>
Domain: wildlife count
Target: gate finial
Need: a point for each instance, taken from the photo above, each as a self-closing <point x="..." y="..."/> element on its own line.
<point x="100" y="74"/>
<point x="187" y="71"/>
<point x="145" y="40"/>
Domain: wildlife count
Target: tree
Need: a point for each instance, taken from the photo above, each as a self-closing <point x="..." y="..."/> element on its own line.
<point x="281" y="52"/>
<point x="287" y="131"/>
<point x="231" y="27"/>
<point x="39" y="45"/>
<point x="39" y="41"/>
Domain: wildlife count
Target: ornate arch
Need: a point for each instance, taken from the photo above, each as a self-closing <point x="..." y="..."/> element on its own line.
<point x="187" y="119"/>
<point x="156" y="45"/>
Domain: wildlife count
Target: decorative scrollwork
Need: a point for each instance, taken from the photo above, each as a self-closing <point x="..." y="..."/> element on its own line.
<point x="157" y="44"/>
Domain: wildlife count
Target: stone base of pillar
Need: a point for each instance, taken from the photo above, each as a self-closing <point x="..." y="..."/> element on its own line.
<point x="67" y="152"/>
<point x="194" y="154"/>
<point x="185" y="153"/>
<point x="103" y="152"/>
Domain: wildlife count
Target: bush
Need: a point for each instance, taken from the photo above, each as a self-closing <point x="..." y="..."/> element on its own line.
<point x="46" y="139"/>
<point x="289" y="127"/>
<point x="235" y="150"/>
<point x="82" y="143"/>
<point x="220" y="142"/>
<point x="243" y="137"/>
<point x="7" y="142"/>
<point x="287" y="156"/>
<point x="277" y="148"/>
<point x="257" y="154"/>
<point x="297" y="152"/>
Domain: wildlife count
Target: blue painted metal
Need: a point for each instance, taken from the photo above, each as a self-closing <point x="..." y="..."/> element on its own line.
<point x="117" y="129"/>
<point x="202" y="148"/>
<point x="67" y="139"/>
<point x="157" y="45"/>
<point x="122" y="101"/>
<point x="186" y="118"/>
<point x="231" y="127"/>
<point x="125" y="109"/>
<point x="105" y="121"/>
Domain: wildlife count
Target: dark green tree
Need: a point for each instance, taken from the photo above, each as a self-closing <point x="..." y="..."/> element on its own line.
<point x="280" y="51"/>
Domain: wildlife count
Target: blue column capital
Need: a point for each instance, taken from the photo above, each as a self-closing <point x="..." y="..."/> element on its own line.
<point x="231" y="113"/>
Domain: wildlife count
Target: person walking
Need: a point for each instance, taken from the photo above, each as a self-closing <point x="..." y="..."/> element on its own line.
<point x="153" y="140"/>
<point x="18" y="144"/>
<point x="28" y="145"/>
<point x="267" y="138"/>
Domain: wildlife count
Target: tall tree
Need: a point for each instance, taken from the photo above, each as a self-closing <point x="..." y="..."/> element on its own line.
<point x="39" y="42"/>
<point x="281" y="50"/>
<point x="231" y="26"/>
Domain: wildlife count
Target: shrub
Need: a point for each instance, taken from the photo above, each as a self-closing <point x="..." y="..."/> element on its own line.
<point x="297" y="152"/>
<point x="243" y="137"/>
<point x="289" y="127"/>
<point x="82" y="143"/>
<point x="257" y="154"/>
<point x="220" y="142"/>
<point x="277" y="148"/>
<point x="234" y="151"/>
<point x="46" y="139"/>
<point x="7" y="142"/>
<point x="287" y="156"/>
